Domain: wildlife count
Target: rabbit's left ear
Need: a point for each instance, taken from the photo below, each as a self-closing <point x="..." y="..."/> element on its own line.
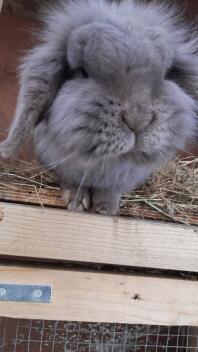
<point x="184" y="71"/>
<point x="180" y="63"/>
<point x="162" y="47"/>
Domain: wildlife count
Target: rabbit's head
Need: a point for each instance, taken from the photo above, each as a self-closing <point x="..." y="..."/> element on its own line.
<point x="131" y="81"/>
<point x="118" y="100"/>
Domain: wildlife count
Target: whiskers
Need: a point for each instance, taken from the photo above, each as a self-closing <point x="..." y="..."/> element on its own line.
<point x="85" y="174"/>
<point x="54" y="164"/>
<point x="98" y="175"/>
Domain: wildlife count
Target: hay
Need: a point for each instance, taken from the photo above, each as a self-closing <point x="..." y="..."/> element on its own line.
<point x="171" y="194"/>
<point x="172" y="191"/>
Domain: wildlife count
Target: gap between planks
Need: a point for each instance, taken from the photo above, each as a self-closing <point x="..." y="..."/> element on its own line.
<point x="96" y="297"/>
<point x="44" y="233"/>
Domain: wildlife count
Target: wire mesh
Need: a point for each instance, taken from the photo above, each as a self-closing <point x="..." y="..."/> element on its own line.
<point x="56" y="336"/>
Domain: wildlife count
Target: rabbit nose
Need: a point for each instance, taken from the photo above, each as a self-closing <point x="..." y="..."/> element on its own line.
<point x="124" y="117"/>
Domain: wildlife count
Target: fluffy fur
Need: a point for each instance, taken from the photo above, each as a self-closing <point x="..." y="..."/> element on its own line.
<point x="109" y="94"/>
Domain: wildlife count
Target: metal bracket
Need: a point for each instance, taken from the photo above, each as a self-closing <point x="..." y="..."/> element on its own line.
<point x="25" y="293"/>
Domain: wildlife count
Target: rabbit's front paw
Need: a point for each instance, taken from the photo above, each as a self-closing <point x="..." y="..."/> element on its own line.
<point x="105" y="208"/>
<point x="7" y="149"/>
<point x="106" y="203"/>
<point x="76" y="200"/>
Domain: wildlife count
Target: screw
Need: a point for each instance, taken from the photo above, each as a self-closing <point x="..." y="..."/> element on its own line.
<point x="2" y="292"/>
<point x="37" y="293"/>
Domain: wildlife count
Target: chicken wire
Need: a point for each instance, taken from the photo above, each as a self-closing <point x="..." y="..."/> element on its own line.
<point x="56" y="336"/>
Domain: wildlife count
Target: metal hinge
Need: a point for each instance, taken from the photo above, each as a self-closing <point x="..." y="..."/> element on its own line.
<point x="25" y="293"/>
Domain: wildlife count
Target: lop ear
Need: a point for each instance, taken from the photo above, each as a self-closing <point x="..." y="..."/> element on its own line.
<point x="98" y="46"/>
<point x="184" y="71"/>
<point x="42" y="73"/>
<point x="162" y="46"/>
<point x="76" y="44"/>
<point x="84" y="44"/>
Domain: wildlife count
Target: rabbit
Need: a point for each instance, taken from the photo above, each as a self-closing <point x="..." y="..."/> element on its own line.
<point x="109" y="95"/>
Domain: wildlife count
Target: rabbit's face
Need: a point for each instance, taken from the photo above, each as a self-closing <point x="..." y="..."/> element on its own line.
<point x="118" y="100"/>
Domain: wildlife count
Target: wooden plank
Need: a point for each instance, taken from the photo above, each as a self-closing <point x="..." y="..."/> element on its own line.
<point x="44" y="233"/>
<point x="33" y="194"/>
<point x="96" y="297"/>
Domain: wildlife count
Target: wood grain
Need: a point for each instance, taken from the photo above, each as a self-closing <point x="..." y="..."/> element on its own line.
<point x="28" y="231"/>
<point x="94" y="297"/>
<point x="30" y="194"/>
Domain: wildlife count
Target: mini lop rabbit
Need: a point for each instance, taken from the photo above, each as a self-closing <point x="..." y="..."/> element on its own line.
<point x="109" y="95"/>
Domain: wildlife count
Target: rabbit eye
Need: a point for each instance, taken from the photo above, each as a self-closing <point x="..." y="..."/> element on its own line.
<point x="84" y="73"/>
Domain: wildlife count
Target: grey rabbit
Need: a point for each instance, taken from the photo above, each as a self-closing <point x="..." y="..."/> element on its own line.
<point x="109" y="95"/>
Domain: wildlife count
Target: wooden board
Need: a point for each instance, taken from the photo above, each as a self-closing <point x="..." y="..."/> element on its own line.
<point x="33" y="194"/>
<point x="95" y="297"/>
<point x="44" y="233"/>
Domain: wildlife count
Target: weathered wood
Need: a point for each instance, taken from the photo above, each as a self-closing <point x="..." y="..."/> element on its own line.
<point x="44" y="233"/>
<point x="32" y="194"/>
<point x="95" y="297"/>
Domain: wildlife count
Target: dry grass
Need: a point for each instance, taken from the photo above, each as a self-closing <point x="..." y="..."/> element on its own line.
<point x="171" y="194"/>
<point x="22" y="172"/>
<point x="172" y="191"/>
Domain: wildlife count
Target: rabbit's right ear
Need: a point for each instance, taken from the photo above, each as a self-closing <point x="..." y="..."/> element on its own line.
<point x="75" y="47"/>
<point x="98" y="47"/>
<point x="80" y="41"/>
<point x="41" y="75"/>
